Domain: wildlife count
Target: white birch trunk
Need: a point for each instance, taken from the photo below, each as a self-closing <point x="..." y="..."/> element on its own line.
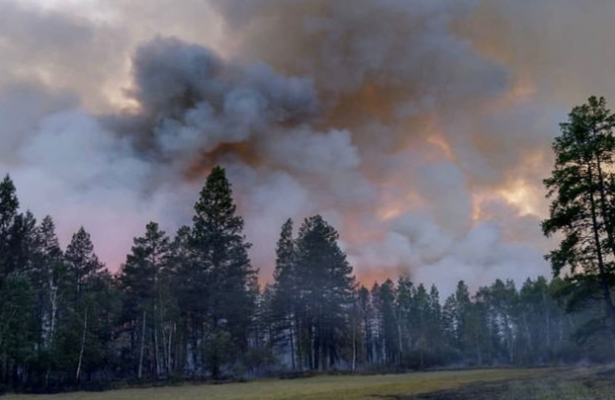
<point x="85" y="327"/>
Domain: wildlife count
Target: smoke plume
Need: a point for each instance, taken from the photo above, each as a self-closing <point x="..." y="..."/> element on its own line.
<point x="420" y="129"/>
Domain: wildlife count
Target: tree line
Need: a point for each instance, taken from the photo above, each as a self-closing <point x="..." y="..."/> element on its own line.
<point x="189" y="306"/>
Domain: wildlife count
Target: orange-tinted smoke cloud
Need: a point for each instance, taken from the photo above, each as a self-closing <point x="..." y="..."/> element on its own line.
<point x="424" y="141"/>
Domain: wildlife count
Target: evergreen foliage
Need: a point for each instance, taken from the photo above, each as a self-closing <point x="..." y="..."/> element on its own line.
<point x="189" y="306"/>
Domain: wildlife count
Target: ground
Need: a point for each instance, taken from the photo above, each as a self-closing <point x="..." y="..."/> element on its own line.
<point x="562" y="384"/>
<point x="504" y="384"/>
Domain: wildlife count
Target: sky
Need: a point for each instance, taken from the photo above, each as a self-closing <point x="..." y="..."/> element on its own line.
<point x="421" y="129"/>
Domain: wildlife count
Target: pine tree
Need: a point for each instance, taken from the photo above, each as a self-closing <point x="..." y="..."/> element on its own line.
<point x="450" y="329"/>
<point x="17" y="342"/>
<point x="422" y="320"/>
<point x="49" y="279"/>
<point x="366" y="311"/>
<point x="86" y="281"/>
<point x="181" y="271"/>
<point x="9" y="206"/>
<point x="260" y="354"/>
<point x="23" y="244"/>
<point x="435" y="328"/>
<point x="538" y="316"/>
<point x="145" y="281"/>
<point x="462" y="325"/>
<point x="81" y="261"/>
<point x="17" y="339"/>
<point x="325" y="287"/>
<point x="503" y="302"/>
<point x="406" y="317"/>
<point x="388" y="329"/>
<point x="582" y="205"/>
<point x="222" y="274"/>
<point x="284" y="290"/>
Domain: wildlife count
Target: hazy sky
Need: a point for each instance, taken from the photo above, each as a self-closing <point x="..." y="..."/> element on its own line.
<point x="420" y="128"/>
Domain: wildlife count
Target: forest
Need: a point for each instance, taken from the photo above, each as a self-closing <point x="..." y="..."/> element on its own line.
<point x="189" y="306"/>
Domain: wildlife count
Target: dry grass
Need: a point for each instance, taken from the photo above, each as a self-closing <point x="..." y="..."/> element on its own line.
<point x="597" y="383"/>
<point x="317" y="388"/>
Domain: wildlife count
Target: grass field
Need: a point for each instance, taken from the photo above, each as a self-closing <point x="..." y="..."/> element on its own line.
<point x="317" y="388"/>
<point x="562" y="384"/>
<point x="502" y="384"/>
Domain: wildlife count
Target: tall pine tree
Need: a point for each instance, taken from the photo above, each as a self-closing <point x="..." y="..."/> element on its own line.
<point x="145" y="280"/>
<point x="222" y="274"/>
<point x="284" y="290"/>
<point x="582" y="204"/>
<point x="325" y="286"/>
<point x="9" y="206"/>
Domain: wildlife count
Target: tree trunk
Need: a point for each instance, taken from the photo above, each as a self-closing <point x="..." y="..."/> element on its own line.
<point x="315" y="349"/>
<point x="140" y="370"/>
<point x="54" y="310"/>
<point x="399" y="340"/>
<point x="603" y="203"/>
<point x="610" y="308"/>
<point x="85" y="327"/>
<point x="169" y="351"/>
<point x="608" y="223"/>
<point x="292" y="343"/>
<point x="165" y="356"/>
<point x="49" y="340"/>
<point x="479" y="357"/>
<point x="547" y="321"/>
<point x="156" y="348"/>
<point x="354" y="346"/>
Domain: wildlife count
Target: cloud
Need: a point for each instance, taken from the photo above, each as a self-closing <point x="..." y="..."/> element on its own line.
<point x="421" y="129"/>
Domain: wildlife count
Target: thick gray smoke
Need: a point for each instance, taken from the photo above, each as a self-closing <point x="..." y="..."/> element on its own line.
<point x="198" y="102"/>
<point x="420" y="129"/>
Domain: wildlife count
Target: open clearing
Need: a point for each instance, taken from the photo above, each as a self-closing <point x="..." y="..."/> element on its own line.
<point x="317" y="388"/>
<point x="504" y="384"/>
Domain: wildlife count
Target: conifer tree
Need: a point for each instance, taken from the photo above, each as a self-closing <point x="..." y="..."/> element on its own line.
<point x="222" y="274"/>
<point x="366" y="311"/>
<point x="17" y="341"/>
<point x="582" y="204"/>
<point x="81" y="261"/>
<point x="9" y="206"/>
<point x="284" y="291"/>
<point x="435" y="333"/>
<point x="48" y="277"/>
<point x="86" y="280"/>
<point x="145" y="281"/>
<point x="51" y="270"/>
<point x="388" y="328"/>
<point x="325" y="287"/>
